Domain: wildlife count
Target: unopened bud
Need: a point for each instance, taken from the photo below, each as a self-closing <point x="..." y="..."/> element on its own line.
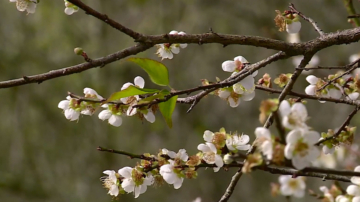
<point x="78" y="51"/>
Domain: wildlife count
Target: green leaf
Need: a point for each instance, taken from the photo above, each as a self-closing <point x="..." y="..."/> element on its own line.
<point x="167" y="108"/>
<point x="131" y="91"/>
<point x="157" y="72"/>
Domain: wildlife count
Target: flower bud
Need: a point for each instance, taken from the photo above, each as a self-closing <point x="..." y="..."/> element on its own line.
<point x="78" y="51"/>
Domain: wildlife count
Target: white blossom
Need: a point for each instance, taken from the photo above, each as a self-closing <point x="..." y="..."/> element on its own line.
<point x="113" y="118"/>
<point x="327" y="194"/>
<point x="263" y="136"/>
<point x="235" y="65"/>
<point x="210" y="155"/>
<point x="70" y="113"/>
<point x="293" y="27"/>
<point x="292" y="186"/>
<point x="300" y="147"/>
<point x="342" y="198"/>
<point x="110" y="182"/>
<point x="293" y="117"/>
<point x="129" y="184"/>
<point x="312" y="89"/>
<point x="89" y="92"/>
<point x="132" y="100"/>
<point x="26" y="5"/>
<point x="70" y="8"/>
<point x="238" y="142"/>
<point x="171" y="175"/>
<point x="166" y="51"/>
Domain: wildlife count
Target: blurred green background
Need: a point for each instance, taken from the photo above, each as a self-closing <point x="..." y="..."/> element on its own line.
<point x="47" y="158"/>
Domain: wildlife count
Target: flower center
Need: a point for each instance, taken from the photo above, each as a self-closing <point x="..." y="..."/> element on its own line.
<point x="107" y="183"/>
<point x="301" y="148"/>
<point x="209" y="157"/>
<point x="239" y="65"/>
<point x="293" y="184"/>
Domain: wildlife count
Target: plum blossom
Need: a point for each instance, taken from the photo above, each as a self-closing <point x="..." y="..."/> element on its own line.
<point x="332" y="91"/>
<point x="210" y="155"/>
<point x="300" y="147"/>
<point x="342" y="198"/>
<point x="71" y="111"/>
<point x="134" y="181"/>
<point x="327" y="193"/>
<point x="110" y="182"/>
<point x="352" y="59"/>
<point x="245" y="89"/>
<point x="26" y="5"/>
<point x="70" y="8"/>
<point x="167" y="50"/>
<point x="294" y="27"/>
<point x="132" y="100"/>
<point x="292" y="186"/>
<point x="172" y="175"/>
<point x="182" y="155"/>
<point x="112" y="114"/>
<point x="293" y="117"/>
<point x="237" y="64"/>
<point x="238" y="142"/>
<point x="263" y="138"/>
<point x="354" y="189"/>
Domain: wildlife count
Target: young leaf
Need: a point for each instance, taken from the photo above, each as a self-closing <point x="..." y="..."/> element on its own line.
<point x="131" y="91"/>
<point x="157" y="72"/>
<point x="167" y="108"/>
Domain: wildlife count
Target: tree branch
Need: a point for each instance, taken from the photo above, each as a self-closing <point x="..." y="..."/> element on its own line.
<point x="39" y="78"/>
<point x="351" y="11"/>
<point x="311" y="21"/>
<point x="342" y="127"/>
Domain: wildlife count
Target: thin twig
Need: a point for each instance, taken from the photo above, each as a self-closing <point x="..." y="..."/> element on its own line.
<point x="351" y="11"/>
<point x="352" y="66"/>
<point x="342" y="127"/>
<point x="230" y="189"/>
<point x="39" y="78"/>
<point x="311" y="97"/>
<point x="311" y="21"/>
<point x="132" y="156"/>
<point x="289" y="86"/>
<point x="279" y="127"/>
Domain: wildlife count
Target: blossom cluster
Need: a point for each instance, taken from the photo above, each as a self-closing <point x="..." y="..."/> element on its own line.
<point x="346" y="85"/>
<point x="300" y="139"/>
<point x="171" y="167"/>
<point x="26" y="5"/>
<point x="112" y="112"/>
<point x="167" y="50"/>
<point x="243" y="90"/>
<point x="288" y="21"/>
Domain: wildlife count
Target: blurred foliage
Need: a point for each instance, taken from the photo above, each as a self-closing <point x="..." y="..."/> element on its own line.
<point x="47" y="158"/>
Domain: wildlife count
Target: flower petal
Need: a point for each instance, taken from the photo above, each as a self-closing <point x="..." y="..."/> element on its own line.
<point x="115" y="120"/>
<point x="208" y="136"/>
<point x="139" y="81"/>
<point x="228" y="66"/>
